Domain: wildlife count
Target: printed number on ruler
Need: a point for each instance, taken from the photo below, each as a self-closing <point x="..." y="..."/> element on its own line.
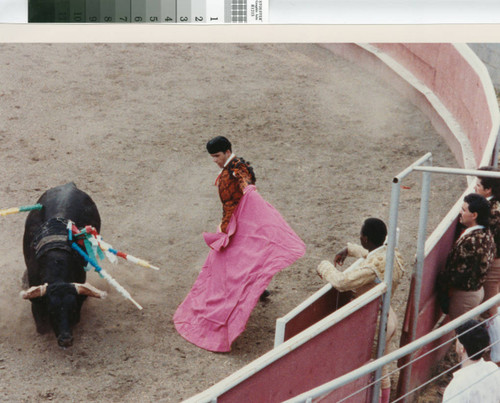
<point x="149" y="11"/>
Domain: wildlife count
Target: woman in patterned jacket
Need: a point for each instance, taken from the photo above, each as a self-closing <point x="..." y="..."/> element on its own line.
<point x="490" y="189"/>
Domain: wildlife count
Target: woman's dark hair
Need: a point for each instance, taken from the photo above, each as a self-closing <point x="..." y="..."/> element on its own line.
<point x="490" y="183"/>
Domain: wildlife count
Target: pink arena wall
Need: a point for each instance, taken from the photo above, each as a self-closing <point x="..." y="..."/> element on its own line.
<point x="451" y="77"/>
<point x="444" y="70"/>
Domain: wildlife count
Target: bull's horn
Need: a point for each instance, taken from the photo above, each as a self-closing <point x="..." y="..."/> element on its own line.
<point x="34" y="292"/>
<point x="89" y="290"/>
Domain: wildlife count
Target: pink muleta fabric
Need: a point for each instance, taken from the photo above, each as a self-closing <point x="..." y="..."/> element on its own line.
<point x="240" y="265"/>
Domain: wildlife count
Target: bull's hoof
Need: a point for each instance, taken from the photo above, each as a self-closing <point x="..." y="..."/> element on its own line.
<point x="65" y="341"/>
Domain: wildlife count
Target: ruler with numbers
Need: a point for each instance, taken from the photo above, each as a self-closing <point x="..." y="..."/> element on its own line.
<point x="149" y="11"/>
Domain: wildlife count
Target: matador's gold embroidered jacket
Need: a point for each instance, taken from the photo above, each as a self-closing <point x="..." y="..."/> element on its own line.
<point x="233" y="179"/>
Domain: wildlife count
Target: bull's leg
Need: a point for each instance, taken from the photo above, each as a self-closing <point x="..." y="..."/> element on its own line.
<point x="41" y="317"/>
<point x="25" y="284"/>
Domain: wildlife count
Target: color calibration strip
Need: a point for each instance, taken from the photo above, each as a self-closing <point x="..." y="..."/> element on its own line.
<point x="149" y="11"/>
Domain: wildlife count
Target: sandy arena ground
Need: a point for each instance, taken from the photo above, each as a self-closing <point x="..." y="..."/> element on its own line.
<point x="128" y="124"/>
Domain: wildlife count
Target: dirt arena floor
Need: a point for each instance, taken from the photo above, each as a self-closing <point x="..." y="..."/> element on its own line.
<point x="128" y="124"/>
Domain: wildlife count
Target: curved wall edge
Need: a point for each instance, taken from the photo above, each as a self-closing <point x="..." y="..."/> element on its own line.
<point x="383" y="59"/>
<point x="468" y="160"/>
<point x="468" y="121"/>
<point x="491" y="98"/>
<point x="369" y="57"/>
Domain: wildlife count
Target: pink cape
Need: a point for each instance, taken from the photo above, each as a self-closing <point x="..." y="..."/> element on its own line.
<point x="259" y="243"/>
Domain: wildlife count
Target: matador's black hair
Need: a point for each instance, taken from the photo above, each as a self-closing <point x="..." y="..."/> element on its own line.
<point x="218" y="144"/>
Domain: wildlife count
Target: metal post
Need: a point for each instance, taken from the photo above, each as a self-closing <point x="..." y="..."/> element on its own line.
<point x="419" y="267"/>
<point x="389" y="265"/>
<point x="458" y="171"/>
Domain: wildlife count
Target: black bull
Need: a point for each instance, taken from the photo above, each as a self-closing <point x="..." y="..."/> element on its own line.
<point x="55" y="272"/>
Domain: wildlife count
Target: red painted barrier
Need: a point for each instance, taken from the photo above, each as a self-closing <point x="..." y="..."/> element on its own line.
<point x="429" y="314"/>
<point x="319" y="360"/>
<point x="322" y="307"/>
<point x="364" y="394"/>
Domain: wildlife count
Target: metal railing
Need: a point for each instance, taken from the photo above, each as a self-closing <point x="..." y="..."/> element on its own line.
<point x="395" y="355"/>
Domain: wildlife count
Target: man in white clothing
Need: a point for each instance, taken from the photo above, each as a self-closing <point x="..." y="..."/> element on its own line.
<point x="477" y="380"/>
<point x="369" y="272"/>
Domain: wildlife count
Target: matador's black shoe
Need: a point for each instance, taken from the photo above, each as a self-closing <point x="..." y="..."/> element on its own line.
<point x="264" y="295"/>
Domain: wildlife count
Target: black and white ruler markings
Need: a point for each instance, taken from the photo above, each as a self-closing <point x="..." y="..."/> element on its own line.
<point x="149" y="11"/>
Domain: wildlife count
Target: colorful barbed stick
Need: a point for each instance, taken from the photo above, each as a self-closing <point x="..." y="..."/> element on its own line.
<point x="105" y="275"/>
<point x="73" y="230"/>
<point x="69" y="227"/>
<point x="99" y="243"/>
<point x="108" y="248"/>
<point x="90" y="238"/>
<point x="89" y="234"/>
<point x="21" y="209"/>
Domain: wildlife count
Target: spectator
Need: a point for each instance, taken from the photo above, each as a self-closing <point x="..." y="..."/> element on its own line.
<point x="367" y="274"/>
<point x="478" y="381"/>
<point x="460" y="282"/>
<point x="490" y="189"/>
